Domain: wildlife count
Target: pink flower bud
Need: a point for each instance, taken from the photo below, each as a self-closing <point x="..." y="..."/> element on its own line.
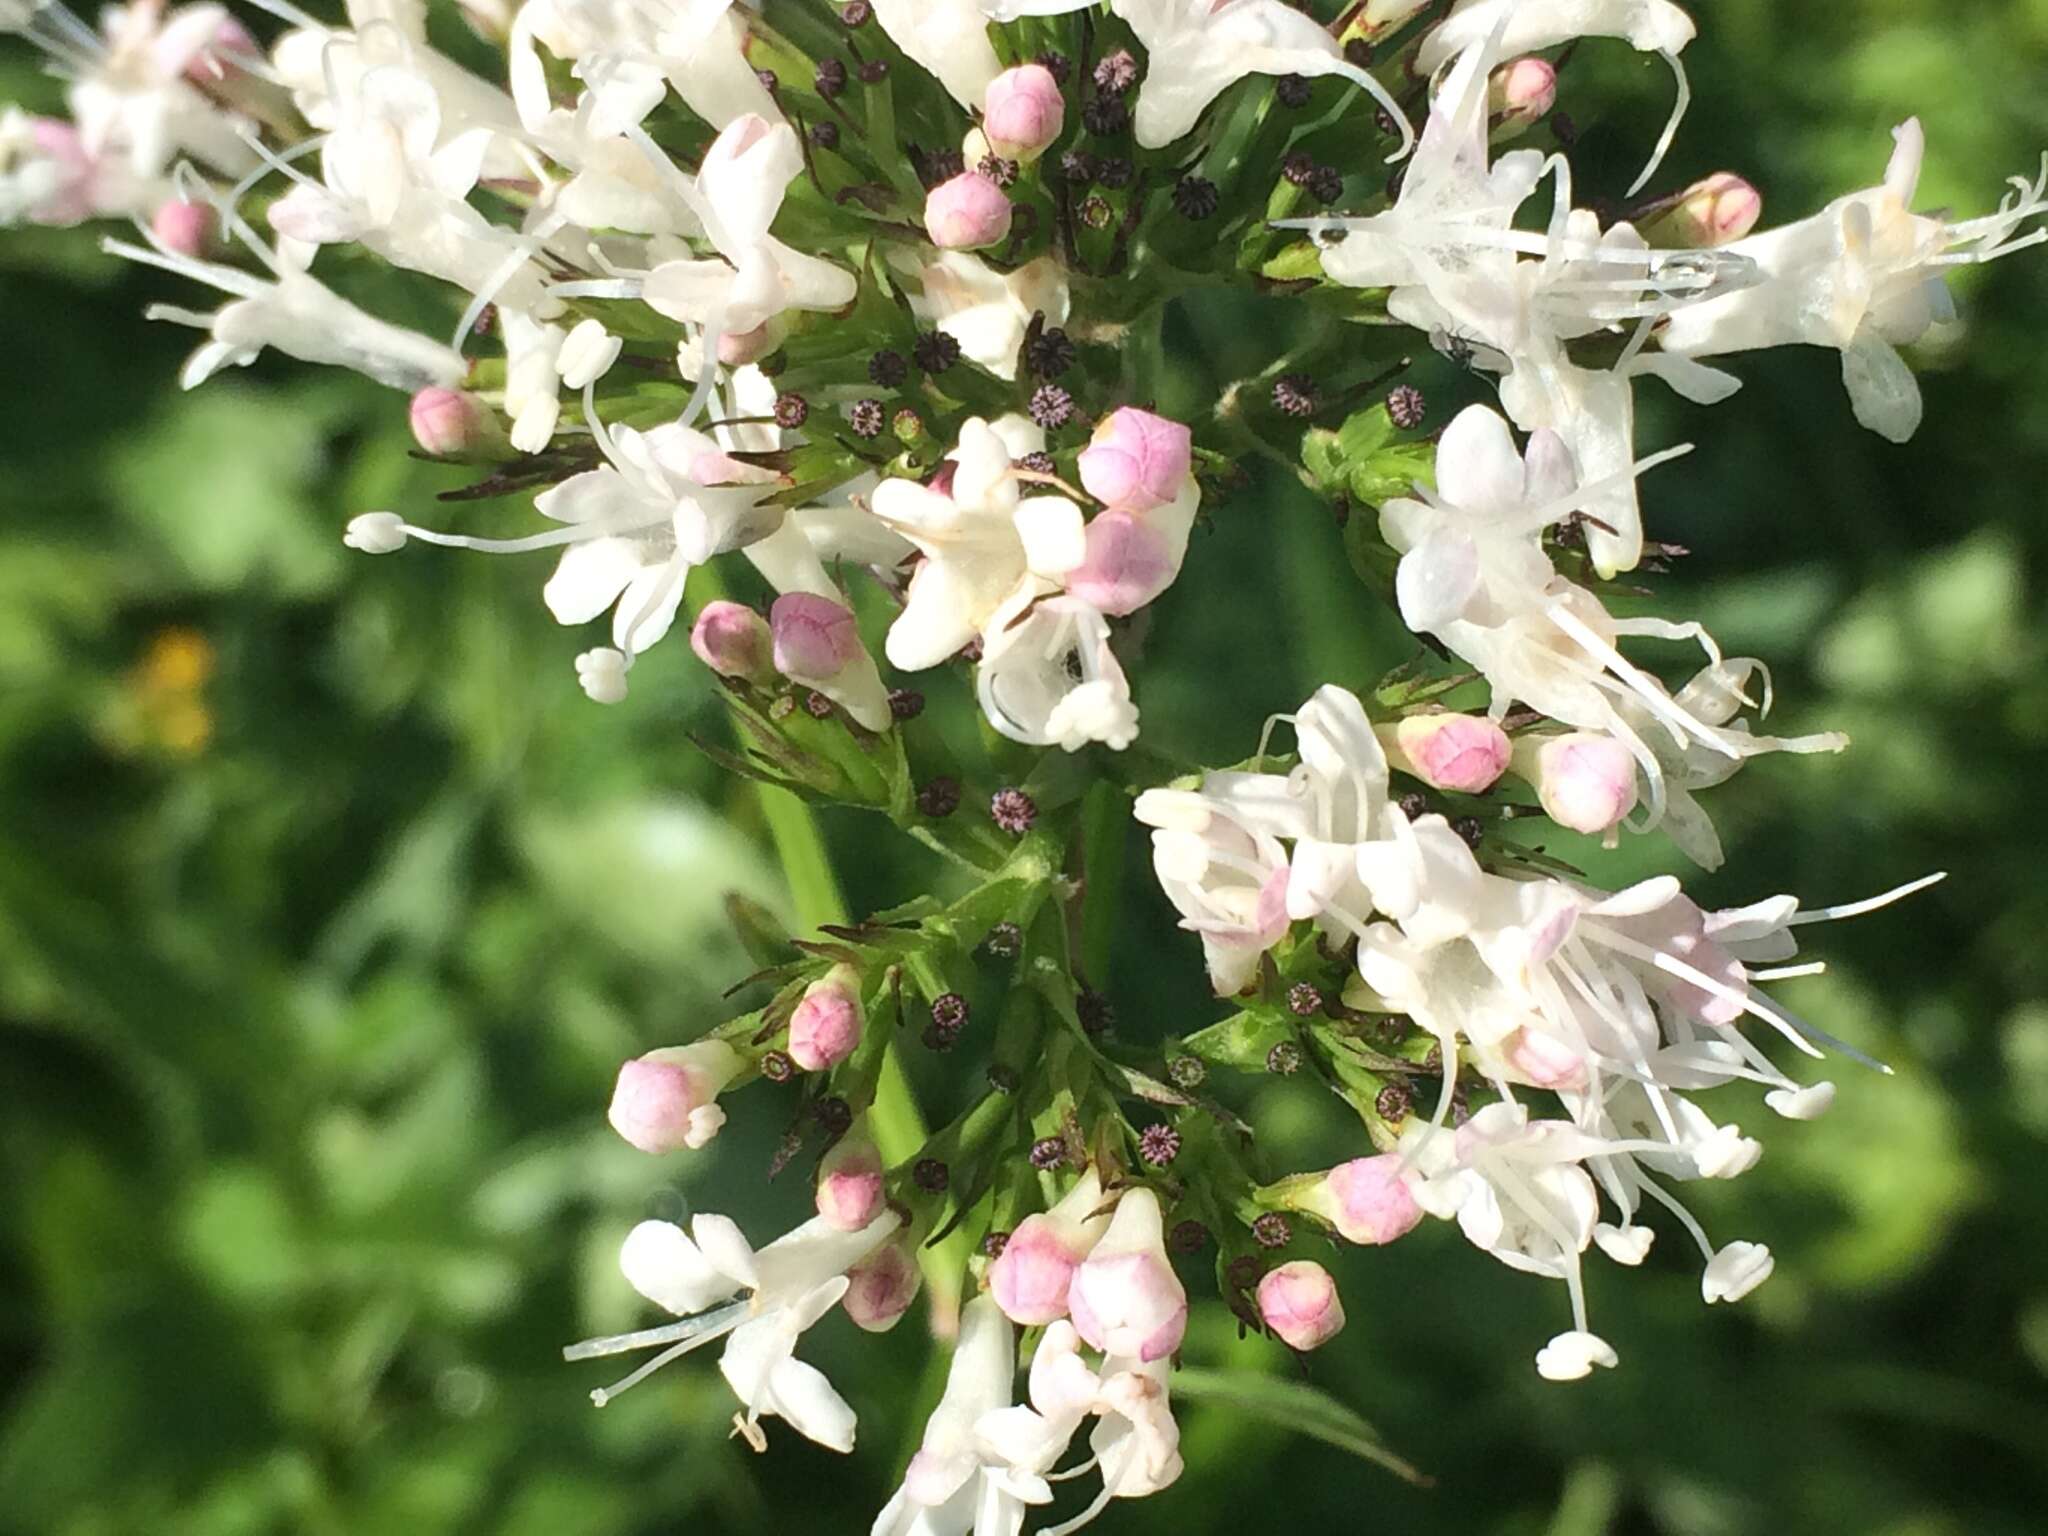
<point x="1033" y="1275"/>
<point x="827" y="1023"/>
<point x="1519" y="93"/>
<point x="966" y="213"/>
<point x="1366" y="1200"/>
<point x="187" y="228"/>
<point x="1299" y="1302"/>
<point x="1125" y="1298"/>
<point x="451" y="425"/>
<point x="1466" y="753"/>
<point x="850" y="1193"/>
<point x="1128" y="563"/>
<point x="733" y="641"/>
<point x="881" y="1287"/>
<point x="1586" y="781"/>
<point x="1136" y="461"/>
<point x="815" y="638"/>
<point x="1023" y="112"/>
<point x="668" y="1098"/>
<point x="1713" y="211"/>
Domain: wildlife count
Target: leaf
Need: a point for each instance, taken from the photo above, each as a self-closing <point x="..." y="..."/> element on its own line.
<point x="1365" y="432"/>
<point x="1297" y="1406"/>
<point x="1393" y="471"/>
<point x="1296" y="262"/>
<point x="1322" y="453"/>
<point x="1243" y="1040"/>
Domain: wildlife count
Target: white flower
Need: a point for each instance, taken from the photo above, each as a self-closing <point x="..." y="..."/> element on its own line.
<point x="1226" y="877"/>
<point x="956" y="1483"/>
<point x="1135" y="1443"/>
<point x="628" y="55"/>
<point x="1448" y="230"/>
<point x="666" y="500"/>
<point x="1197" y="49"/>
<point x="1047" y="677"/>
<point x="791" y="1283"/>
<point x="987" y="311"/>
<point x="984" y="543"/>
<point x="1516" y="1190"/>
<point x="319" y="64"/>
<point x="393" y="181"/>
<point x="134" y="102"/>
<point x="1458" y="270"/>
<point x="737" y="193"/>
<point x="299" y="316"/>
<point x="644" y="519"/>
<point x="1473" y="573"/>
<point x="1866" y="276"/>
<point x="1528" y="26"/>
<point x="948" y="39"/>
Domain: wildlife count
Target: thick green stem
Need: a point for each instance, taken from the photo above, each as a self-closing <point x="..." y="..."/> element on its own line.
<point x="1105" y="820"/>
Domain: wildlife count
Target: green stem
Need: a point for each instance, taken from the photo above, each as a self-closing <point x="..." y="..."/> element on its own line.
<point x="894" y="1118"/>
<point x="1105" y="819"/>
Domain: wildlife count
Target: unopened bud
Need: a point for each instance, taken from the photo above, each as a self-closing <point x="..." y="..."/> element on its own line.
<point x="881" y="1287"/>
<point x="1125" y="1298"/>
<point x="815" y="638"/>
<point x="1023" y="112"/>
<point x="669" y="1098"/>
<point x="966" y="213"/>
<point x="187" y="228"/>
<point x="1715" y="211"/>
<point x="733" y="641"/>
<point x="1586" y="781"/>
<point x="850" y="1193"/>
<point x="1367" y="1200"/>
<point x="1463" y="753"/>
<point x="827" y="1023"/>
<point x="1136" y="461"/>
<point x="1032" y="1277"/>
<point x="1299" y="1302"/>
<point x="451" y="424"/>
<point x="1520" y="94"/>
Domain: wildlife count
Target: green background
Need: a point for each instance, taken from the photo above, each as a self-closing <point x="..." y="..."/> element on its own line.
<point x="328" y="908"/>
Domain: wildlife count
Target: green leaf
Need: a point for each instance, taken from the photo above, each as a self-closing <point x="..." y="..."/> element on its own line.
<point x="1245" y="1040"/>
<point x="1365" y="433"/>
<point x="1297" y="1406"/>
<point x="1322" y="453"/>
<point x="1299" y="260"/>
<point x="1393" y="471"/>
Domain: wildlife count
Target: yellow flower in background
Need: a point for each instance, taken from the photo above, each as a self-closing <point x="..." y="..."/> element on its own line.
<point x="162" y="705"/>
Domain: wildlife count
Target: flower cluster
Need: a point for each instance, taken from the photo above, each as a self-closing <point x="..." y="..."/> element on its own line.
<point x="834" y="331"/>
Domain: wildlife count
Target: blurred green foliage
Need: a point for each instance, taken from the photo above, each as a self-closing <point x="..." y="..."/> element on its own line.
<point x="328" y="907"/>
